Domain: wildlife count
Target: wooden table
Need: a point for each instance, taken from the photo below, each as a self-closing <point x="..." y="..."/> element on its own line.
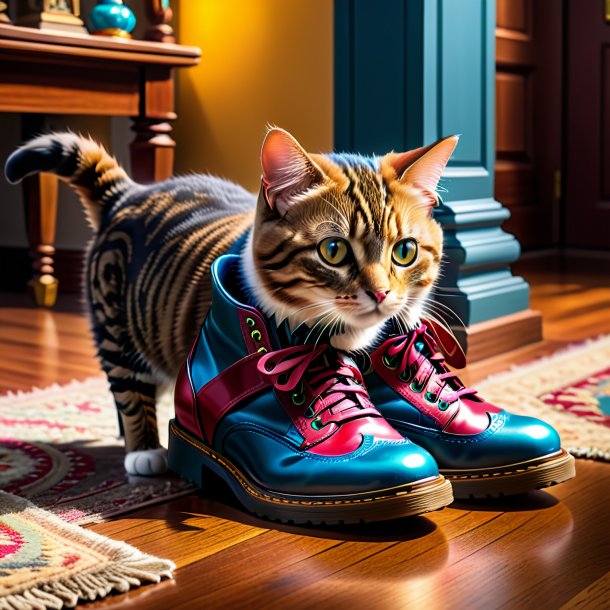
<point x="63" y="73"/>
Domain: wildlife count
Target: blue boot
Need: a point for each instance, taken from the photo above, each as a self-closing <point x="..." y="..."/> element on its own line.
<point x="290" y="428"/>
<point x="483" y="450"/>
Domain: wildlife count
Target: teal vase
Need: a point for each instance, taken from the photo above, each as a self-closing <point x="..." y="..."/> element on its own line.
<point x="111" y="18"/>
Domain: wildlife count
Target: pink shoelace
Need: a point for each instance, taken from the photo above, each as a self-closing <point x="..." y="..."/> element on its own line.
<point x="425" y="372"/>
<point x="337" y="390"/>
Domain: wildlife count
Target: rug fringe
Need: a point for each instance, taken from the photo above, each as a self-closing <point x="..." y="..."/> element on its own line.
<point x="74" y="384"/>
<point x="128" y="566"/>
<point x="591" y="453"/>
<point x="120" y="577"/>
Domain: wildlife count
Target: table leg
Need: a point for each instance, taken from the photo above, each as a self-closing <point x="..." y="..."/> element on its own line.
<point x="40" y="198"/>
<point x="152" y="150"/>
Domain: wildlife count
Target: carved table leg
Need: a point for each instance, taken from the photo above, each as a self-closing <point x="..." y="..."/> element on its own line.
<point x="40" y="197"/>
<point x="152" y="151"/>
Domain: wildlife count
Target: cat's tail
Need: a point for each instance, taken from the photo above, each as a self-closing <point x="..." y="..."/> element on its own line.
<point x="84" y="164"/>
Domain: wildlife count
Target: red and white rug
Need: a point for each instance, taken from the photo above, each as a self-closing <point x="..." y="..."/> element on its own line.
<point x="59" y="447"/>
<point x="570" y="390"/>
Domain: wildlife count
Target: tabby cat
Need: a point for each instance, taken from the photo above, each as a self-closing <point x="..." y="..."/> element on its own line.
<point x="338" y="242"/>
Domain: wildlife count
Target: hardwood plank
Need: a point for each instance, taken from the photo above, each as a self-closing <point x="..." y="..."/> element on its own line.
<point x="184" y="534"/>
<point x="593" y="597"/>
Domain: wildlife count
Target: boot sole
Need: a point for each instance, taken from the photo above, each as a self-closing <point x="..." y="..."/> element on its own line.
<point x="193" y="460"/>
<point x="513" y="478"/>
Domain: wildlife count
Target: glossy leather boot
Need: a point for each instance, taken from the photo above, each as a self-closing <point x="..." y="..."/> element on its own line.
<point x="482" y="449"/>
<point x="290" y="428"/>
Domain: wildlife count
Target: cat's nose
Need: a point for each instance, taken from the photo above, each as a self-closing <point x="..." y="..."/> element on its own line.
<point x="378" y="296"/>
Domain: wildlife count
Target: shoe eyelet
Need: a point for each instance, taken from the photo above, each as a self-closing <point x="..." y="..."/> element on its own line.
<point x="298" y="396"/>
<point x="389" y="362"/>
<point x="309" y="412"/>
<point x="443" y="405"/>
<point x="316" y="424"/>
<point x="416" y="387"/>
<point x="430" y="397"/>
<point x="250" y="322"/>
<point x="256" y="334"/>
<point x="298" y="399"/>
<point x="262" y="350"/>
<point x="405" y="376"/>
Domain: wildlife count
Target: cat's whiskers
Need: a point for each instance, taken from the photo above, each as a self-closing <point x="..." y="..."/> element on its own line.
<point x="312" y="329"/>
<point x="438" y="318"/>
<point x="404" y="323"/>
<point x="336" y="327"/>
<point x="317" y="317"/>
<point x="314" y="316"/>
<point x="441" y="309"/>
<point x="311" y="306"/>
<point x="401" y="326"/>
<point x="447" y="292"/>
<point x="324" y="328"/>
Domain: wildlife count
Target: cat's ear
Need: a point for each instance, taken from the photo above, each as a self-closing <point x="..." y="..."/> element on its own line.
<point x="287" y="169"/>
<point x="423" y="166"/>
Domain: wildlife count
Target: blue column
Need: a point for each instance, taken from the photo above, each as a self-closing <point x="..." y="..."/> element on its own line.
<point x="408" y="72"/>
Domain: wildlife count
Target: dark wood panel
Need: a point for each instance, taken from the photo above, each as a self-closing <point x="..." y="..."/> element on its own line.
<point x="24" y="87"/>
<point x="587" y="205"/>
<point x="513" y="115"/>
<point x="528" y="118"/>
<point x="516" y="181"/>
<point x="514" y="15"/>
<point x="605" y="123"/>
<point x="159" y="93"/>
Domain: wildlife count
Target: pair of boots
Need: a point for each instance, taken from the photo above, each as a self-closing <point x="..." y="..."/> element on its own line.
<point x="300" y="433"/>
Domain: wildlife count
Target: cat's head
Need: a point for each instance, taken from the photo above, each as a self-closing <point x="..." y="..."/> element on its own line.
<point x="343" y="241"/>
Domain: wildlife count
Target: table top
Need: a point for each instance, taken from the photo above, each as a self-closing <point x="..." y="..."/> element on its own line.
<point x="32" y="40"/>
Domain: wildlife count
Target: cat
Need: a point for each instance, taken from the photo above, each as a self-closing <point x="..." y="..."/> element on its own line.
<point x="340" y="242"/>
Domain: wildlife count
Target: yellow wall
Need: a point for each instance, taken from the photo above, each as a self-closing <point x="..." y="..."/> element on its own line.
<point x="263" y="61"/>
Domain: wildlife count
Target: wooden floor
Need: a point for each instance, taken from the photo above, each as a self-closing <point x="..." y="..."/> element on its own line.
<point x="544" y="550"/>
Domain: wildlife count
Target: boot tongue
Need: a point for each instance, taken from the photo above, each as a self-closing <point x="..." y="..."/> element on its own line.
<point x="448" y="344"/>
<point x="288" y="337"/>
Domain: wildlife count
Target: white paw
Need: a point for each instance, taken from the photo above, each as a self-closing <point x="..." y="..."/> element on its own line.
<point x="146" y="463"/>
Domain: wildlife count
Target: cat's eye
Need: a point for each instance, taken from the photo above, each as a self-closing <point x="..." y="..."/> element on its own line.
<point x="334" y="250"/>
<point x="404" y="252"/>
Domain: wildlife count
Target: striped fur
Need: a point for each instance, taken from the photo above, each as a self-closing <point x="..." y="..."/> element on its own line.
<point x="147" y="274"/>
<point x="148" y="264"/>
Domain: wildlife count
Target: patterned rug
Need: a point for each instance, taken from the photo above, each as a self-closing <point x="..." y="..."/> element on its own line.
<point x="59" y="448"/>
<point x="48" y="563"/>
<point x="570" y="390"/>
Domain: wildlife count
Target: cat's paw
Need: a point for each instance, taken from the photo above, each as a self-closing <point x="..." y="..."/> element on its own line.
<point x="146" y="463"/>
